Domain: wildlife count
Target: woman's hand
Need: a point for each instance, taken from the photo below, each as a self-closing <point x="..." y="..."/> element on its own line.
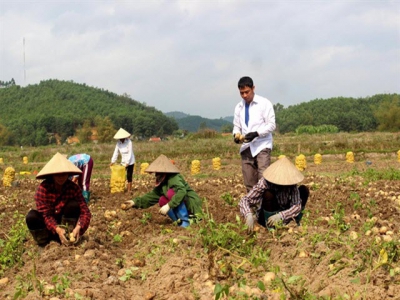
<point x="61" y="233"/>
<point x="74" y="235"/>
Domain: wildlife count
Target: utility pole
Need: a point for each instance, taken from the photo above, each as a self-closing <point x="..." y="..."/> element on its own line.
<point x="24" y="63"/>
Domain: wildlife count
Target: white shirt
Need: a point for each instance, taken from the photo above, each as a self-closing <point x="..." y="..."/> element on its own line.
<point x="126" y="150"/>
<point x="261" y="119"/>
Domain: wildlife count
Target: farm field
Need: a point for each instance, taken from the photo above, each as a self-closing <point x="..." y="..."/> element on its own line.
<point x="347" y="247"/>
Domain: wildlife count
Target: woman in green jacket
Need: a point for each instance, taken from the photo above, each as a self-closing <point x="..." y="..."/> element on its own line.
<point x="174" y="195"/>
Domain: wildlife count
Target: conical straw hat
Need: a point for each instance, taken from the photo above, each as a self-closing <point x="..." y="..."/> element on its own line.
<point x="283" y="172"/>
<point x="122" y="134"/>
<point x="59" y="164"/>
<point x="162" y="165"/>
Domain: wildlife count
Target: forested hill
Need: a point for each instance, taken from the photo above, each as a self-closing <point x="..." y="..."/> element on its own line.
<point x="194" y="123"/>
<point x="378" y="112"/>
<point x="35" y="114"/>
<point x="30" y="115"/>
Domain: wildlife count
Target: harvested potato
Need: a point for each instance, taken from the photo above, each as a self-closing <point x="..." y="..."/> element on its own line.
<point x="72" y="237"/>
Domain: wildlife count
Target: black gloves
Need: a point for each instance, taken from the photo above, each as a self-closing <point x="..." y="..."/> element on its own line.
<point x="236" y="138"/>
<point x="250" y="136"/>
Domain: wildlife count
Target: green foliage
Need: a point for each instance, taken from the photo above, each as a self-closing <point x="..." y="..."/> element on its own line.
<point x="4" y="135"/>
<point x="347" y="114"/>
<point x="105" y="129"/>
<point x="387" y="114"/>
<point x="310" y="129"/>
<point x="227" y="197"/>
<point x="61" y="283"/>
<point x="372" y="174"/>
<point x="338" y="218"/>
<point x="220" y="290"/>
<point x="204" y="134"/>
<point x="195" y="123"/>
<point x="227" y="128"/>
<point x="117" y="238"/>
<point x="85" y="132"/>
<point x="129" y="273"/>
<point x="227" y="236"/>
<point x="6" y="84"/>
<point x="12" y="248"/>
<point x="28" y="283"/>
<point x="145" y="218"/>
<point x="62" y="107"/>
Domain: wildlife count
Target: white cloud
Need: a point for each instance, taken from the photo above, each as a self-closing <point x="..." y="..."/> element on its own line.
<point x="189" y="55"/>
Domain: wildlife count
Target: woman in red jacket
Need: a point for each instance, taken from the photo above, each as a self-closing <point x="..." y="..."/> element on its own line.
<point x="62" y="213"/>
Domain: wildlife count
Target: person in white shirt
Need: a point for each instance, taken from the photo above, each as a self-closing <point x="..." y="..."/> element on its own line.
<point x="124" y="146"/>
<point x="254" y="119"/>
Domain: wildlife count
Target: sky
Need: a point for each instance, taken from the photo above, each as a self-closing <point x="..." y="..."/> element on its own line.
<point x="189" y="55"/>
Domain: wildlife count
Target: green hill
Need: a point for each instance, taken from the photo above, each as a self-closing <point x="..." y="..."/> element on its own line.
<point x="33" y="115"/>
<point x="176" y="114"/>
<point x="29" y="115"/>
<point x="194" y="123"/>
<point x="378" y="112"/>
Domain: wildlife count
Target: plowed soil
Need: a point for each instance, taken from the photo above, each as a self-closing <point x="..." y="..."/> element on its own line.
<point x="140" y="254"/>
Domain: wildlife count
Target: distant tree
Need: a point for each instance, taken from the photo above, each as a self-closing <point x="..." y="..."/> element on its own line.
<point x="105" y="129"/>
<point x="278" y="107"/>
<point x="85" y="132"/>
<point x="4" y="135"/>
<point x="41" y="137"/>
<point x="226" y="128"/>
<point x="203" y="125"/>
<point x="388" y="115"/>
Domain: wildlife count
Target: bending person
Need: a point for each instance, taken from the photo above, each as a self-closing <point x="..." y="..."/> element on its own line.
<point x="171" y="192"/>
<point x="84" y="163"/>
<point x="276" y="197"/>
<point x="62" y="213"/>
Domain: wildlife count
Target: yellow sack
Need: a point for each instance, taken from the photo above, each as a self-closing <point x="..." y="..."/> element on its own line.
<point x="117" y="183"/>
<point x="9" y="176"/>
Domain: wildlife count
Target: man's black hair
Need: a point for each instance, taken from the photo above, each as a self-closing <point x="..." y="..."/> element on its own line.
<point x="245" y="82"/>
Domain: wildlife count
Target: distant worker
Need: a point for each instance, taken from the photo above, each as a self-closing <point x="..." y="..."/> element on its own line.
<point x="174" y="195"/>
<point x="84" y="163"/>
<point x="276" y="197"/>
<point x="253" y="124"/>
<point x="124" y="146"/>
<point x="61" y="211"/>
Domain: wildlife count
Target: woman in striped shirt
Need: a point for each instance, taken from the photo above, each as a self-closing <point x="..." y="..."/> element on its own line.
<point x="276" y="197"/>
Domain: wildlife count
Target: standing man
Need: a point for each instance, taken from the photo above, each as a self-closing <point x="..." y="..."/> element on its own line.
<point x="253" y="124"/>
<point x="84" y="163"/>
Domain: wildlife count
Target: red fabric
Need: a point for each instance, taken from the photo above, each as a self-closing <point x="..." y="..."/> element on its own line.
<point x="165" y="199"/>
<point x="50" y="203"/>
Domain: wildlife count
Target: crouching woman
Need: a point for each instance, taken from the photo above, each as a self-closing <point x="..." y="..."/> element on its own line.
<point x="276" y="197"/>
<point x="174" y="195"/>
<point x="62" y="213"/>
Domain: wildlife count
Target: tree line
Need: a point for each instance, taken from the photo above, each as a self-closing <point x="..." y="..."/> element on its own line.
<point x="378" y="112"/>
<point x="6" y="84"/>
<point x="33" y="115"/>
<point x="36" y="114"/>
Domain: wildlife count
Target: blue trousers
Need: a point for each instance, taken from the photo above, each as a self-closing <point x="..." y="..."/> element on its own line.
<point x="180" y="215"/>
